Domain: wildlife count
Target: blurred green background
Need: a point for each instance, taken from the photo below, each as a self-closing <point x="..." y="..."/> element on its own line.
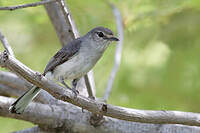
<point x="160" y="65"/>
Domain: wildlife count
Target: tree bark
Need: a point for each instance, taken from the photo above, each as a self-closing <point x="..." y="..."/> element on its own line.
<point x="72" y="119"/>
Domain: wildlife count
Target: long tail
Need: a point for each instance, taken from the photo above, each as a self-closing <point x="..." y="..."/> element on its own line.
<point x="20" y="104"/>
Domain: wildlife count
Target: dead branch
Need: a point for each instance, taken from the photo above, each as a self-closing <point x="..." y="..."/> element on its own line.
<point x="9" y="91"/>
<point x="6" y="45"/>
<point x="12" y="85"/>
<point x="89" y="88"/>
<point x="12" y="8"/>
<point x="70" y="118"/>
<point x="68" y="18"/>
<point x="12" y="80"/>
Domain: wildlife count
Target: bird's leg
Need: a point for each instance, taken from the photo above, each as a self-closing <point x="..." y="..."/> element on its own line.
<point x="74" y="84"/>
<point x="63" y="82"/>
<point x="72" y="89"/>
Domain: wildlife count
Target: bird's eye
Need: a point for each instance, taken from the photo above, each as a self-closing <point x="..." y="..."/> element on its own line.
<point x="100" y="34"/>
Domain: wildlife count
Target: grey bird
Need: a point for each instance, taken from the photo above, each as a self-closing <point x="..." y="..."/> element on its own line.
<point x="71" y="63"/>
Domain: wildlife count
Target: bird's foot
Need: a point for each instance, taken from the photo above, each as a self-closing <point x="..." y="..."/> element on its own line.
<point x="76" y="92"/>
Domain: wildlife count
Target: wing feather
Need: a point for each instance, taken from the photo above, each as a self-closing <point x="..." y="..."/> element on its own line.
<point x="63" y="55"/>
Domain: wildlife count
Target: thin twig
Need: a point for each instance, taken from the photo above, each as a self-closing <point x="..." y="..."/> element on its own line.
<point x="6" y="45"/>
<point x="88" y="86"/>
<point x="90" y="75"/>
<point x="118" y="51"/>
<point x="11" y="8"/>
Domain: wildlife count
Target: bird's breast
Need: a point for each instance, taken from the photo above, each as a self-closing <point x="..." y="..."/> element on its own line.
<point x="77" y="66"/>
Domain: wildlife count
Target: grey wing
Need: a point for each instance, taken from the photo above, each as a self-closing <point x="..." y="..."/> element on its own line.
<point x="63" y="55"/>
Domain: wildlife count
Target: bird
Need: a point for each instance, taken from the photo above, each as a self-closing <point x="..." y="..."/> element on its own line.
<point x="71" y="62"/>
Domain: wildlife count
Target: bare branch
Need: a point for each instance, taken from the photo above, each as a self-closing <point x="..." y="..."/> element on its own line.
<point x="59" y="92"/>
<point x="6" y="45"/>
<point x="92" y="82"/>
<point x="11" y="8"/>
<point x="9" y="91"/>
<point x="16" y="86"/>
<point x="70" y="118"/>
<point x="118" y="51"/>
<point x="89" y="88"/>
<point x="68" y="18"/>
<point x="56" y="16"/>
<point x="12" y="80"/>
<point x="43" y="97"/>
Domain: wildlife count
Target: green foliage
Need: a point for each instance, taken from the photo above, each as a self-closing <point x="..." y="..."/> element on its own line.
<point x="160" y="62"/>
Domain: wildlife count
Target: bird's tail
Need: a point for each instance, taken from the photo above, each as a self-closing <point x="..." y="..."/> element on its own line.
<point x="20" y="104"/>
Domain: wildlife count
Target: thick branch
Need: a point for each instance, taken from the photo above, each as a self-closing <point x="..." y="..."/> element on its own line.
<point x="63" y="30"/>
<point x="11" y="8"/>
<point x="12" y="85"/>
<point x="70" y="118"/>
<point x="68" y="19"/>
<point x="12" y="80"/>
<point x="9" y="91"/>
<point x="43" y="97"/>
<point x="170" y="117"/>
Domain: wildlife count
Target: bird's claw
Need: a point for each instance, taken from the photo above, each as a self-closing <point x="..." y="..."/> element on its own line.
<point x="76" y="92"/>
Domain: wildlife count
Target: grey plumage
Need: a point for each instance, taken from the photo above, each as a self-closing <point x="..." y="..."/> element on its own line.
<point x="71" y="62"/>
<point x="63" y="55"/>
<point x="24" y="100"/>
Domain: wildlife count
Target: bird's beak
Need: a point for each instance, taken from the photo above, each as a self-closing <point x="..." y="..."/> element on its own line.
<point x="111" y="38"/>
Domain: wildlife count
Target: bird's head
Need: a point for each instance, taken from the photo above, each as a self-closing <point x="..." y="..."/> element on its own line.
<point x="101" y="37"/>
